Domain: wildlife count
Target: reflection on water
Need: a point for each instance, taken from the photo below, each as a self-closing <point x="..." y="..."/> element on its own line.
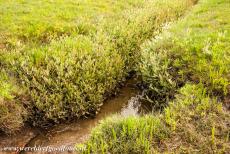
<point x="127" y="103"/>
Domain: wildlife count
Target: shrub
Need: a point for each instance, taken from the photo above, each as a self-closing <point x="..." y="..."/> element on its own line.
<point x="155" y="70"/>
<point x="135" y="26"/>
<point x="69" y="77"/>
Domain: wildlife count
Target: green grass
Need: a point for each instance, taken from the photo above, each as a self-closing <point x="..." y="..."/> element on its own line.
<point x="129" y="135"/>
<point x="196" y="49"/>
<point x="69" y="57"/>
<point x="12" y="112"/>
<point x="185" y="66"/>
<point x="192" y="123"/>
<point x="41" y="21"/>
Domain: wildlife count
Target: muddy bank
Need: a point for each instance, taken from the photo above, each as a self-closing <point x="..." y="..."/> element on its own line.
<point x="126" y="103"/>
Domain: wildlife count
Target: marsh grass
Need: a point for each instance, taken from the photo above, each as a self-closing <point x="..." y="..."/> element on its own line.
<point x="194" y="49"/>
<point x="193" y="122"/>
<point x="12" y="112"/>
<point x="70" y="55"/>
<point x="189" y="62"/>
<point x="42" y="21"/>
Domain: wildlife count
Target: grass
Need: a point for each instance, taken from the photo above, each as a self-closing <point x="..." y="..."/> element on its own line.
<point x="185" y="66"/>
<point x="128" y="135"/>
<point x="194" y="50"/>
<point x="12" y="113"/>
<point x="192" y="123"/>
<point x="42" y="21"/>
<point x="69" y="57"/>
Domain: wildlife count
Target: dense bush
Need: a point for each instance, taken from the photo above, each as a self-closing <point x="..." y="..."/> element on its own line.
<point x="69" y="77"/>
<point x="197" y="120"/>
<point x="155" y="69"/>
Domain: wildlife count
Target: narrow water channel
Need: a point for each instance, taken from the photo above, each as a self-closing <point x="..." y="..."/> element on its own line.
<point x="126" y="103"/>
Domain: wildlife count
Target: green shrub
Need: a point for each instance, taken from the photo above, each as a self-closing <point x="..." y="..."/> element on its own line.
<point x="134" y="26"/>
<point x="69" y="77"/>
<point x="155" y="70"/>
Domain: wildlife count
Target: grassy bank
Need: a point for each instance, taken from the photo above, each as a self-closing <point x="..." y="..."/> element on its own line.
<point x="192" y="123"/>
<point x="188" y="62"/>
<point x="67" y="56"/>
<point x="196" y="49"/>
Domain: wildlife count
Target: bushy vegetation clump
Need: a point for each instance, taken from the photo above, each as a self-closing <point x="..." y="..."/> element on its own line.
<point x="73" y="54"/>
<point x="192" y="123"/>
<point x="69" y="77"/>
<point x="187" y="67"/>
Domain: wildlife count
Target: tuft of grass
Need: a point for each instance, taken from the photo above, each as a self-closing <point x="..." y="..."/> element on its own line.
<point x="129" y="135"/>
<point x="12" y="112"/>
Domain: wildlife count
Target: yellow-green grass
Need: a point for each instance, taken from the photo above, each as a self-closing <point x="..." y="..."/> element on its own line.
<point x="68" y="56"/>
<point x="191" y="58"/>
<point x="12" y="112"/>
<point x="42" y="20"/>
<point x="196" y="49"/>
<point x="192" y="123"/>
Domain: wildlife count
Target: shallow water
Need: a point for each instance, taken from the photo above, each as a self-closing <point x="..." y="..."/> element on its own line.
<point x="126" y="103"/>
